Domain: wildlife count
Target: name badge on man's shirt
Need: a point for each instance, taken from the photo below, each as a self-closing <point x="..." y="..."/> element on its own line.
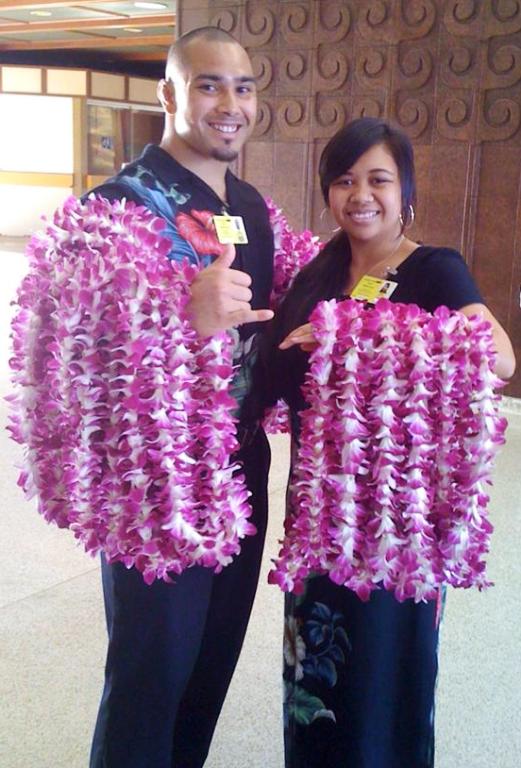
<point x="373" y="288"/>
<point x="230" y="229"/>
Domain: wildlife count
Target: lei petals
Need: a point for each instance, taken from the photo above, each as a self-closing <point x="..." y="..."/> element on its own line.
<point x="395" y="450"/>
<point x="123" y="412"/>
<point x="292" y="252"/>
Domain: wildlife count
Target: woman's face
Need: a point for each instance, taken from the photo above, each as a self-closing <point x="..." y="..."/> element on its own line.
<point x="366" y="200"/>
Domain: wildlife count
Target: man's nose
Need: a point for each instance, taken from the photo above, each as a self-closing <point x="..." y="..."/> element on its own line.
<point x="228" y="101"/>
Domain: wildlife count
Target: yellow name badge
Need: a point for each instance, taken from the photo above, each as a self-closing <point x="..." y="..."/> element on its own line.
<point x="230" y="229"/>
<point x="373" y="288"/>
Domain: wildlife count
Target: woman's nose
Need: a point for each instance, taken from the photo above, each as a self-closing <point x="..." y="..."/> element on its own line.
<point x="361" y="192"/>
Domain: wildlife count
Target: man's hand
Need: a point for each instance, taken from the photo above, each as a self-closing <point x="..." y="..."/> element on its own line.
<point x="221" y="297"/>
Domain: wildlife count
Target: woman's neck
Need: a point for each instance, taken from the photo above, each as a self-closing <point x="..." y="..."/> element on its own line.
<point x="378" y="259"/>
<point x="368" y="255"/>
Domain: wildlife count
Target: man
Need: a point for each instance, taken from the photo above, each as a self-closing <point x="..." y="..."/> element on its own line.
<point x="173" y="647"/>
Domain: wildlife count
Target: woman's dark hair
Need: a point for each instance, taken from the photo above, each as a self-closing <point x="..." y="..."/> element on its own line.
<point x="327" y="275"/>
<point x="351" y="142"/>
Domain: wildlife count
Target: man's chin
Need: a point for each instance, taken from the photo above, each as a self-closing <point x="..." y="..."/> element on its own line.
<point x="225" y="154"/>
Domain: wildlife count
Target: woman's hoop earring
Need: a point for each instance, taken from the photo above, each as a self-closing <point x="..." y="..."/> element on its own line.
<point x="410" y="218"/>
<point x="321" y="218"/>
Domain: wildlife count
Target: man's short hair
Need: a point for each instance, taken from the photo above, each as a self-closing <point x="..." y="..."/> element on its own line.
<point x="176" y="52"/>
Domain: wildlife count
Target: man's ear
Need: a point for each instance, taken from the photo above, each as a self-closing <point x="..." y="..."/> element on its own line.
<point x="165" y="94"/>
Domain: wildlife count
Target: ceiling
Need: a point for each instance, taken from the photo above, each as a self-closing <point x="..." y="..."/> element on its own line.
<point x="117" y="36"/>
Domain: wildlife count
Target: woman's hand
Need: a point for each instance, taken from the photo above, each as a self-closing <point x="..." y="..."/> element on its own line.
<point x="301" y="336"/>
<point x="505" y="359"/>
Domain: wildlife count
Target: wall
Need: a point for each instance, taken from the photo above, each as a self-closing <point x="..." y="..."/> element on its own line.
<point x="36" y="137"/>
<point x="43" y="136"/>
<point x="448" y="72"/>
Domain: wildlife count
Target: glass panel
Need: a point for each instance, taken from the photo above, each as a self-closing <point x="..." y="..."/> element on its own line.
<point x="108" y="139"/>
<point x="147" y="128"/>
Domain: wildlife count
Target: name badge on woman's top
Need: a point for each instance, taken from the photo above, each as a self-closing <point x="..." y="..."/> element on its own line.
<point x="373" y="288"/>
<point x="230" y="230"/>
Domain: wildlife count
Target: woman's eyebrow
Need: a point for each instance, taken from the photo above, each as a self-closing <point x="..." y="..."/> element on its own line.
<point x="382" y="170"/>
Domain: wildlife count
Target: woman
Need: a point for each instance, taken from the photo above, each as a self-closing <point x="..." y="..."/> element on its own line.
<point x="360" y="676"/>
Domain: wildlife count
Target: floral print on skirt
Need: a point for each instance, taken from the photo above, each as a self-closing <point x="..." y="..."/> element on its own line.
<point x="359" y="679"/>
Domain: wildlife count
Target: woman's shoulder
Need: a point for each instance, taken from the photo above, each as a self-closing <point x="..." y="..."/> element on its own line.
<point x="440" y="276"/>
<point x="435" y="252"/>
<point x="434" y="258"/>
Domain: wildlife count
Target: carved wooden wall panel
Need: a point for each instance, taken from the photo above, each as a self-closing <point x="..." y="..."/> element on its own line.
<point x="447" y="71"/>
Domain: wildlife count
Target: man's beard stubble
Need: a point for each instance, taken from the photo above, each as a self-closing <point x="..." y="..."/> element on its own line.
<point x="225" y="155"/>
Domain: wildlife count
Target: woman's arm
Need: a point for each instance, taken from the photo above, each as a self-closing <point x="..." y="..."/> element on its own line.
<point x="505" y="360"/>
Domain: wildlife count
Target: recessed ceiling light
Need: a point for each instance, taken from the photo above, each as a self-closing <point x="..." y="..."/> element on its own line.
<point x="150" y="6"/>
<point x="132" y="29"/>
<point x="40" y="13"/>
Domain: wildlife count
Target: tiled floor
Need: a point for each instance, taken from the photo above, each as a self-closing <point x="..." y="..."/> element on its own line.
<point x="53" y="638"/>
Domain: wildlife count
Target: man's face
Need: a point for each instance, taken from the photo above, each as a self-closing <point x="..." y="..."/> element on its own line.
<point x="215" y="99"/>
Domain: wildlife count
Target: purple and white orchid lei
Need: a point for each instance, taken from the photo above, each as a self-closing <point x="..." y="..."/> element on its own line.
<point x="293" y="250"/>
<point x="123" y="412"/>
<point x="395" y="451"/>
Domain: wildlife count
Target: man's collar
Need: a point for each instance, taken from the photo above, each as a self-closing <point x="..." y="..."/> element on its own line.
<point x="168" y="169"/>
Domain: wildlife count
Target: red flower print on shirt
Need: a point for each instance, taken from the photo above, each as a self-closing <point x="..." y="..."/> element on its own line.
<point x="197" y="228"/>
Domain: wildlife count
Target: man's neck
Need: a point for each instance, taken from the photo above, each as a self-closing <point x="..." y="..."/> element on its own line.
<point x="211" y="171"/>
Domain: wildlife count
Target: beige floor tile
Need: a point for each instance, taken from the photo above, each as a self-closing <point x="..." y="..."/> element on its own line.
<point x="53" y="639"/>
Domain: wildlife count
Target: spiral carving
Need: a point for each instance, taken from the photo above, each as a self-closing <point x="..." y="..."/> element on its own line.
<point x="500" y="120"/>
<point x="455" y="117"/>
<point x="505" y="18"/>
<point x="292" y="119"/>
<point x="263" y="70"/>
<point x="419" y="15"/>
<point x="382" y="20"/>
<point x="458" y="68"/>
<point x="506" y="10"/>
<point x="264" y="119"/>
<point x="413" y="116"/>
<point x="329" y="115"/>
<point x="462" y="17"/>
<point x="376" y="13"/>
<point x="504" y="68"/>
<point x="365" y="106"/>
<point x="334" y="22"/>
<point x="226" y="20"/>
<point x="483" y="20"/>
<point x="416" y="65"/>
<point x="259" y="25"/>
<point x="293" y="66"/>
<point x="330" y="71"/>
<point x="372" y="69"/>
<point x="294" y="23"/>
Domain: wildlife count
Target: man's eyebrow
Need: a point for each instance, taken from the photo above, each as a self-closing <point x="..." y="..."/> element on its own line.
<point x="219" y="78"/>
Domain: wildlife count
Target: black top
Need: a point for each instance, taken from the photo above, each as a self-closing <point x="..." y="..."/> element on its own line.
<point x="178" y="196"/>
<point x="167" y="188"/>
<point x="430" y="277"/>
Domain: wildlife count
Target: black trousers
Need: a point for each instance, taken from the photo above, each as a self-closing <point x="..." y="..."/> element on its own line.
<point x="173" y="649"/>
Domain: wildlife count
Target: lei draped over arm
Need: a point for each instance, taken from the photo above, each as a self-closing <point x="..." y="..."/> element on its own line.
<point x="126" y="419"/>
<point x="395" y="452"/>
<point x="293" y="250"/>
<point x="123" y="412"/>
